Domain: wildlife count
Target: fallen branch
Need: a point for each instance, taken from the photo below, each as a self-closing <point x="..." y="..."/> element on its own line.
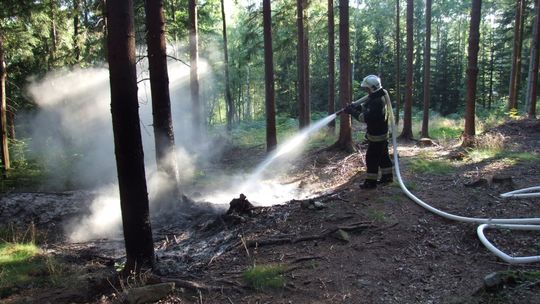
<point x="196" y="286"/>
<point x="293" y="240"/>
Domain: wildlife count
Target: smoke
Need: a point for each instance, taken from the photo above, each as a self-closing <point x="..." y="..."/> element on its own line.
<point x="71" y="133"/>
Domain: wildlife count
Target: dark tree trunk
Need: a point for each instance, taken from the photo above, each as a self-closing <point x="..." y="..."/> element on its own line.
<point x="516" y="57"/>
<point x="398" y="63"/>
<point x="271" y="139"/>
<point x="406" y="133"/>
<point x="127" y="136"/>
<point x="345" y="132"/>
<point x="472" y="73"/>
<point x="159" y="85"/>
<point x="4" y="150"/>
<point x="194" y="73"/>
<point x="427" y="72"/>
<point x="53" y="34"/>
<point x="331" y="66"/>
<point x="491" y="69"/>
<point x="228" y="98"/>
<point x="303" y="69"/>
<point x="533" y="75"/>
<point x="76" y="23"/>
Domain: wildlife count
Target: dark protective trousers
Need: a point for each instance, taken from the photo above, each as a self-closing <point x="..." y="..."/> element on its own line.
<point x="377" y="157"/>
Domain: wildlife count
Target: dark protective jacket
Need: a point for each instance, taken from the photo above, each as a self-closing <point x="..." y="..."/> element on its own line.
<point x="373" y="111"/>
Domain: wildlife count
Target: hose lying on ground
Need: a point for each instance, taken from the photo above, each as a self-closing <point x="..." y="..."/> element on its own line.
<point x="512" y="223"/>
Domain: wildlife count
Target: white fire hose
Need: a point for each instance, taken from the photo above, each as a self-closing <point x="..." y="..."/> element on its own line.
<point x="512" y="223"/>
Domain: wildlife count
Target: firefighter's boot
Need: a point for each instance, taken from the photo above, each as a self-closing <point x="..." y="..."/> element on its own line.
<point x="386" y="179"/>
<point x="369" y="184"/>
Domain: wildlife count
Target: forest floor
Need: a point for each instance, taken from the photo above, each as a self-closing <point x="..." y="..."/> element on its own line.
<point x="345" y="244"/>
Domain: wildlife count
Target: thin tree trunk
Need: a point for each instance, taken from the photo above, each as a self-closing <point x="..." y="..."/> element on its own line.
<point x="331" y="66"/>
<point x="533" y="71"/>
<point x="4" y="150"/>
<point x="407" y="109"/>
<point x="472" y="73"/>
<point x="228" y="98"/>
<point x="271" y="139"/>
<point x="427" y="72"/>
<point x="345" y="131"/>
<point x="398" y="63"/>
<point x="307" y="103"/>
<point x="491" y="68"/>
<point x="53" y="35"/>
<point x="194" y="72"/>
<point x="127" y="137"/>
<point x="76" y="27"/>
<point x="516" y="57"/>
<point x="301" y="64"/>
<point x="159" y="85"/>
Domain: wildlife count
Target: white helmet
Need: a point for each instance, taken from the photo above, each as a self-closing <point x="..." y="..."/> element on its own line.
<point x="371" y="81"/>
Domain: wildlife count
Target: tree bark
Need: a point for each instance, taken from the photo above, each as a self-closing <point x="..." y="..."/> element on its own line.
<point x="127" y="136"/>
<point x="472" y="73"/>
<point x="228" y="98"/>
<point x="53" y="34"/>
<point x="427" y="72"/>
<point x="345" y="132"/>
<point x="406" y="133"/>
<point x="516" y="57"/>
<point x="159" y="85"/>
<point x="533" y="71"/>
<point x="4" y="150"/>
<point x="271" y="139"/>
<point x="76" y="23"/>
<point x="302" y="98"/>
<point x="331" y="66"/>
<point x="194" y="73"/>
<point x="398" y="63"/>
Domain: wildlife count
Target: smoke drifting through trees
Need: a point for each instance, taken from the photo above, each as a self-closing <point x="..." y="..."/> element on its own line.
<point x="72" y="135"/>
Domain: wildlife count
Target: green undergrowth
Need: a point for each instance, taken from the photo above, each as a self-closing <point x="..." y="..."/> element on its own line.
<point x="431" y="166"/>
<point x="265" y="277"/>
<point x="512" y="157"/>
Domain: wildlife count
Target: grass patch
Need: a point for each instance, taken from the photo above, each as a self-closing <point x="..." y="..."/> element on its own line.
<point x="19" y="264"/>
<point x="445" y="132"/>
<point x="431" y="166"/>
<point x="376" y="215"/>
<point x="520" y="156"/>
<point x="264" y="277"/>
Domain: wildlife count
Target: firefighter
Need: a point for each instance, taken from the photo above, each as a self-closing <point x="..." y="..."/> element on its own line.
<point x="372" y="109"/>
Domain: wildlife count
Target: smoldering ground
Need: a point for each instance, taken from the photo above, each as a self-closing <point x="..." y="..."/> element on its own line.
<point x="71" y="134"/>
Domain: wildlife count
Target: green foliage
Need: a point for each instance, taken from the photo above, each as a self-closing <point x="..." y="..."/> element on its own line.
<point x="264" y="277"/>
<point x="18" y="261"/>
<point x="435" y="166"/>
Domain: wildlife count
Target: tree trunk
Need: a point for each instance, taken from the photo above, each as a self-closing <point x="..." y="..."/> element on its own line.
<point x="533" y="71"/>
<point x="516" y="57"/>
<point x="76" y="43"/>
<point x="427" y="72"/>
<point x="127" y="136"/>
<point x="271" y="140"/>
<point x="472" y="73"/>
<point x="228" y="98"/>
<point x="53" y="34"/>
<point x="398" y="63"/>
<point x="345" y="131"/>
<point x="331" y="66"/>
<point x="4" y="150"/>
<point x="159" y="85"/>
<point x="302" y="98"/>
<point x="307" y="88"/>
<point x="491" y="69"/>
<point x="194" y="73"/>
<point x="406" y="133"/>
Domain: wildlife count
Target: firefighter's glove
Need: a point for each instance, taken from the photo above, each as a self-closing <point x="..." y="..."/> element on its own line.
<point x="353" y="111"/>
